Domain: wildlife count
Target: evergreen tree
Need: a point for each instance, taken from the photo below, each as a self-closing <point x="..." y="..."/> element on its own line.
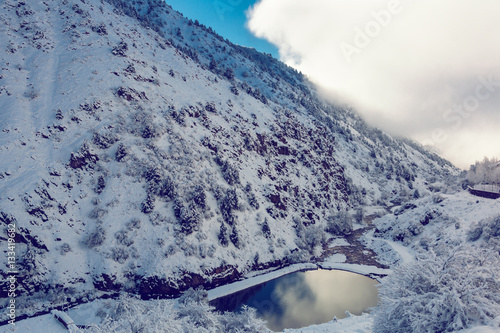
<point x="213" y="65"/>
<point x="148" y="205"/>
<point x="223" y="239"/>
<point x="235" y="238"/>
<point x="265" y="229"/>
<point x="229" y="74"/>
<point x="187" y="215"/>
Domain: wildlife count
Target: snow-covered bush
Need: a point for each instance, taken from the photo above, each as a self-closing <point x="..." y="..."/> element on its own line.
<point x="31" y="93"/>
<point x="104" y="139"/>
<point x="65" y="248"/>
<point x="313" y="236"/>
<point x="120" y="49"/>
<point x="475" y="232"/>
<point x="437" y="198"/>
<point x="299" y="256"/>
<point x="227" y="204"/>
<point x="339" y="224"/>
<point x="199" y="197"/>
<point x="244" y="321"/>
<point x="210" y="107"/>
<point x="132" y="316"/>
<point x="97" y="213"/>
<point x="179" y="117"/>
<point x="229" y="74"/>
<point x="213" y="65"/>
<point x="119" y="254"/>
<point x="205" y="250"/>
<point x="152" y="131"/>
<point x="223" y="235"/>
<point x="95" y="238"/>
<point x="121" y="152"/>
<point x="442" y="292"/>
<point x="188" y="216"/>
<point x="234" y="90"/>
<point x="134" y="223"/>
<point x="148" y="205"/>
<point x="415" y="228"/>
<point x="193" y="314"/>
<point x="235" y="238"/>
<point x="407" y="206"/>
<point x="193" y="305"/>
<point x="265" y="229"/>
<point x="401" y="234"/>
<point x="59" y="114"/>
<point x="101" y="184"/>
<point x="487" y="229"/>
<point x="122" y="238"/>
<point x="252" y="199"/>
<point x="100" y="29"/>
<point x="166" y="189"/>
<point x="153" y="173"/>
<point x="230" y="173"/>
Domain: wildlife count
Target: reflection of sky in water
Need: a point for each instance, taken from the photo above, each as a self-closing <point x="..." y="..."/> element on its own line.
<point x="313" y="297"/>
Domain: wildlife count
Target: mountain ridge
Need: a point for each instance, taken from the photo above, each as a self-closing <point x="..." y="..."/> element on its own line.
<point x="143" y="152"/>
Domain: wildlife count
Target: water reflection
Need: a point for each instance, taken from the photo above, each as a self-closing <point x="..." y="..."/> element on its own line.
<point x="305" y="298"/>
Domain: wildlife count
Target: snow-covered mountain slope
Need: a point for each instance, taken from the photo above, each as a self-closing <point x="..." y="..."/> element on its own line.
<point x="140" y="151"/>
<point x="433" y="222"/>
<point x="444" y="251"/>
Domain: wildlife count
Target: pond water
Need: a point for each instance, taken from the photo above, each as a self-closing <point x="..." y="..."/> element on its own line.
<point x="304" y="298"/>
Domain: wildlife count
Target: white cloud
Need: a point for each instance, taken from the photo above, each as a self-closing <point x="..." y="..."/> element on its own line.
<point x="403" y="64"/>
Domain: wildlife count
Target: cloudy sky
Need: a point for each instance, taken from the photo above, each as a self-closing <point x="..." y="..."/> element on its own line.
<point x="427" y="69"/>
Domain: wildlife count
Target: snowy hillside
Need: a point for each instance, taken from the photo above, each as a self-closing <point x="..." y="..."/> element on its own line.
<point x="445" y="251"/>
<point x="142" y="152"/>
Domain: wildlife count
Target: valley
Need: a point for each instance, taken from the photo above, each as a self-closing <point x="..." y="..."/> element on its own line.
<point x="144" y="156"/>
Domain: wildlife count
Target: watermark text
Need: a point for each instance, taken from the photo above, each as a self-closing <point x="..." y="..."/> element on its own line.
<point x="11" y="273"/>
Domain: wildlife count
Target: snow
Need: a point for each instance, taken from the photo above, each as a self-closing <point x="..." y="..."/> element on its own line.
<point x="72" y="67"/>
<point x="364" y="324"/>
<point x="481" y="329"/>
<point x="40" y="324"/>
<point x="404" y="254"/>
<point x="338" y="242"/>
<point x="355" y="268"/>
<point x="350" y="324"/>
<point x="335" y="258"/>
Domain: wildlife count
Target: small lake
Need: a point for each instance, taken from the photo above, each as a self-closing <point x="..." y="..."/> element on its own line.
<point x="304" y="298"/>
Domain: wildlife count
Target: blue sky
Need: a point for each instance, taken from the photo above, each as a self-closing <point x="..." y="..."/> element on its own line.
<point x="227" y="18"/>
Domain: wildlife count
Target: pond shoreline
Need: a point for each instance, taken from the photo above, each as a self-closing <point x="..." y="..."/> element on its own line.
<point x="304" y="298"/>
<point x="253" y="280"/>
<point x="352" y="257"/>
